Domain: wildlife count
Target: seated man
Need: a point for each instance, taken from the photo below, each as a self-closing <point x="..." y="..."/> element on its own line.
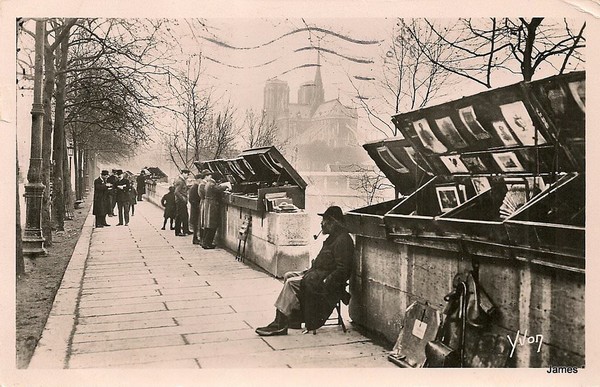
<point x="309" y="296"/>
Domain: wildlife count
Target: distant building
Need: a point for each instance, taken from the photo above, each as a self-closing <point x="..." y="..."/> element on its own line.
<point x="321" y="139"/>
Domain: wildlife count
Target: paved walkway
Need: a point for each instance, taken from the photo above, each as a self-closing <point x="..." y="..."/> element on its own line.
<point x="140" y="297"/>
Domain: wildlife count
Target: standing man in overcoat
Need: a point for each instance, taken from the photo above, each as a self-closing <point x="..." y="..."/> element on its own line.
<point x="181" y="200"/>
<point x="101" y="201"/>
<point x="309" y="296"/>
<point x="122" y="188"/>
<point x="213" y="193"/>
<point x="112" y="194"/>
<point x="141" y="185"/>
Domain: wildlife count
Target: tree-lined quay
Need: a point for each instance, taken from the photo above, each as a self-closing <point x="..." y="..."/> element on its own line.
<point x="133" y="93"/>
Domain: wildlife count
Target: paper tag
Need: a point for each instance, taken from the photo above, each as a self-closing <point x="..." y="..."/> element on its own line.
<point x="419" y="329"/>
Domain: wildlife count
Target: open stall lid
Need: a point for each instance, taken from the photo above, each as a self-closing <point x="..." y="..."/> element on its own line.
<point x="405" y="168"/>
<point x="155" y="172"/>
<point x="269" y="165"/>
<point x="517" y="129"/>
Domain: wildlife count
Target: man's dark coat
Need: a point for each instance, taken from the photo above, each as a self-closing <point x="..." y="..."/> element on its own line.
<point x="334" y="266"/>
<point x="101" y="201"/>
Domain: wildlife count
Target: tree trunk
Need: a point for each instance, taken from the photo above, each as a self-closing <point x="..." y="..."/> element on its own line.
<point x="527" y="68"/>
<point x="58" y="206"/>
<point x="47" y="142"/>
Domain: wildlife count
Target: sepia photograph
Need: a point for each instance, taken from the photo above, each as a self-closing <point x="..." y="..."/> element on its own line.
<point x="217" y="194"/>
<point x="469" y="120"/>
<point x="446" y="126"/>
<point x="520" y="122"/>
<point x="508" y="162"/>
<point x="447" y="197"/>
<point x="504" y="133"/>
<point x="428" y="138"/>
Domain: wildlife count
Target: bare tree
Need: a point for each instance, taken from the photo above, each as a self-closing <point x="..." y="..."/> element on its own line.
<point x="204" y="128"/>
<point x="481" y="49"/>
<point x="259" y="131"/>
<point x="369" y="182"/>
<point x="408" y="79"/>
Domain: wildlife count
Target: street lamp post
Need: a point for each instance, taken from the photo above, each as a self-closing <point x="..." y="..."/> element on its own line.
<point x="33" y="240"/>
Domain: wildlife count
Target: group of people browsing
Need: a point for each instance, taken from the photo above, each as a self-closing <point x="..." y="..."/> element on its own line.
<point x="113" y="189"/>
<point x="204" y="196"/>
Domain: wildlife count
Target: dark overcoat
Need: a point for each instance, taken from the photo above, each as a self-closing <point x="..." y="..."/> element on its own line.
<point x="101" y="201"/>
<point x="168" y="202"/>
<point x="141" y="184"/>
<point x="212" y="203"/>
<point x="194" y="200"/>
<point x="122" y="188"/>
<point x="325" y="282"/>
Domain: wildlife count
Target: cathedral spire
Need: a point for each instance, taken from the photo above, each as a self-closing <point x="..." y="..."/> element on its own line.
<point x="319" y="91"/>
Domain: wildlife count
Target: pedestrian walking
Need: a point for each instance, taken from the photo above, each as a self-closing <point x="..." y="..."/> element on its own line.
<point x="122" y="198"/>
<point x="181" y="200"/>
<point x="168" y="202"/>
<point x="213" y="192"/>
<point x="101" y="201"/>
<point x="133" y="195"/>
<point x="141" y="185"/>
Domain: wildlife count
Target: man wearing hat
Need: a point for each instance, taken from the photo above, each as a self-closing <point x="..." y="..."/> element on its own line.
<point x="112" y="194"/>
<point x="181" y="199"/>
<point x="122" y="188"/>
<point x="311" y="295"/>
<point x="101" y="201"/>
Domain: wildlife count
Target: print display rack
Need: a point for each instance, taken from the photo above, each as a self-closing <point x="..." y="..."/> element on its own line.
<point x="502" y="171"/>
<point x="258" y="172"/>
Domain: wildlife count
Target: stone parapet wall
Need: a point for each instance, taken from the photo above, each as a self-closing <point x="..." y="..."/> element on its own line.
<point x="540" y="300"/>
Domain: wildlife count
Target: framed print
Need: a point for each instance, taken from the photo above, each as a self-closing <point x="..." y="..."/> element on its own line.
<point x="481" y="184"/>
<point x="469" y="120"/>
<point x="454" y="164"/>
<point x="447" y="197"/>
<point x="429" y="140"/>
<point x="391" y="160"/>
<point x="504" y="133"/>
<point x="508" y="162"/>
<point x="578" y="91"/>
<point x="446" y="126"/>
<point x="474" y="164"/>
<point x="520" y="122"/>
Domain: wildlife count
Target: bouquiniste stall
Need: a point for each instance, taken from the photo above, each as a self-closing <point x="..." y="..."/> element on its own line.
<point x="267" y="201"/>
<point x="492" y="183"/>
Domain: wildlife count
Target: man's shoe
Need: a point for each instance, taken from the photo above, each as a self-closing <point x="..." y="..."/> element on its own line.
<point x="197" y="242"/>
<point x="119" y="224"/>
<point x="275" y="331"/>
<point x="106" y="225"/>
<point x="126" y="224"/>
<point x="162" y="228"/>
<point x="99" y="225"/>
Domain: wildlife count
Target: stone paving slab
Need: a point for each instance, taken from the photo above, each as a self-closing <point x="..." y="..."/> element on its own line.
<point x="130" y="343"/>
<point x="212" y="311"/>
<point x="140" y="297"/>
